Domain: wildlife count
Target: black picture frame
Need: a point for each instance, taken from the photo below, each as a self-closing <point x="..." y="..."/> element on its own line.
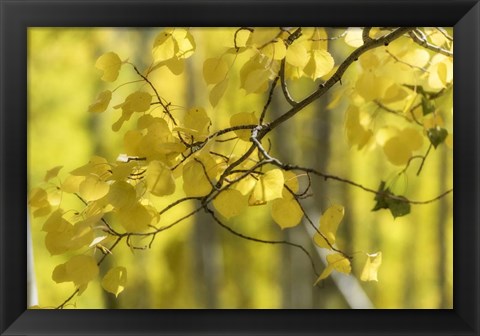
<point x="17" y="15"/>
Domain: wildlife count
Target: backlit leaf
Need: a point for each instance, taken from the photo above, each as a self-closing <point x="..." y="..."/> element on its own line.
<point x="319" y="64"/>
<point x="243" y="118"/>
<point x="337" y="262"/>
<point x="286" y="212"/>
<point x="101" y="104"/>
<point x="51" y="173"/>
<point x="214" y="70"/>
<point x="115" y="280"/>
<point x="257" y="81"/>
<point x="110" y="64"/>
<point x="93" y="188"/>
<point x="328" y="226"/>
<point x="354" y="37"/>
<point x="217" y="92"/>
<point x="159" y="179"/>
<point x="297" y="55"/>
<point x="121" y="194"/>
<point x="370" y="269"/>
<point x="134" y="218"/>
<point x="267" y="188"/>
<point x="195" y="182"/>
<point x="164" y="46"/>
<point x="81" y="269"/>
<point x="197" y="121"/>
<point x="275" y="50"/>
<point x="397" y="151"/>
<point x="230" y="203"/>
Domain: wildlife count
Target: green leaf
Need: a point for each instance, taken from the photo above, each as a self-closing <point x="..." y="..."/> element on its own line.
<point x="398" y="205"/>
<point x="437" y="135"/>
<point x="380" y="198"/>
<point x="427" y="106"/>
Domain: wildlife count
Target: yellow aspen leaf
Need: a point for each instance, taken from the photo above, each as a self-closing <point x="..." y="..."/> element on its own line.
<point x="38" y="198"/>
<point x="257" y="81"/>
<point x="71" y="184"/>
<point x="138" y="101"/>
<point x="399" y="147"/>
<point x="435" y="36"/>
<point x="319" y="39"/>
<point x="176" y="65"/>
<point x="217" y="92"/>
<point x="356" y="127"/>
<point x="214" y="70"/>
<point x="131" y="141"/>
<point x="197" y="120"/>
<point x="246" y="185"/>
<point x="440" y="71"/>
<point x="115" y="280"/>
<point x="122" y="170"/>
<point x="275" y="50"/>
<point x="58" y="242"/>
<point x="396" y="151"/>
<point x="93" y="188"/>
<point x="134" y="218"/>
<point x="328" y="226"/>
<point x="195" y="182"/>
<point x="96" y="166"/>
<point x="369" y="61"/>
<point x="55" y="222"/>
<point x="159" y="179"/>
<point x="230" y="203"/>
<point x="297" y="55"/>
<point x="319" y="64"/>
<point x="286" y="212"/>
<point x="262" y="36"/>
<point x="370" y="270"/>
<point x="51" y="173"/>
<point x="82" y="235"/>
<point x="59" y="274"/>
<point x="164" y="46"/>
<point x="336" y="262"/>
<point x="416" y="56"/>
<point x="185" y="42"/>
<point x="243" y="118"/>
<point x="354" y="37"/>
<point x="54" y="196"/>
<point x="412" y="138"/>
<point x="101" y="103"/>
<point x="121" y="194"/>
<point x="268" y="187"/>
<point x="372" y="87"/>
<point x="145" y="121"/>
<point x="110" y="64"/>
<point x="81" y="269"/>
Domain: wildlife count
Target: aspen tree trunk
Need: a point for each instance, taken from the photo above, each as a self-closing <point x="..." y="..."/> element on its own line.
<point x="207" y="256"/>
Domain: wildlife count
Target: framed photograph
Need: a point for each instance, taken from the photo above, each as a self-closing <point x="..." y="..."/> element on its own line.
<point x="209" y="167"/>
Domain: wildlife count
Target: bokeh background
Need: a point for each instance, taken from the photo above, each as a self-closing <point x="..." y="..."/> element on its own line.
<point x="197" y="264"/>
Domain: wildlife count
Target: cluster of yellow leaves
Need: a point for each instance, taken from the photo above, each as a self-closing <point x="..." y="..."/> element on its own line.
<point x="398" y="78"/>
<point x="274" y="186"/>
<point x="267" y="48"/>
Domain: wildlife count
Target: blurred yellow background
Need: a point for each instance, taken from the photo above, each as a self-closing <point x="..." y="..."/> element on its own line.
<point x="197" y="264"/>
